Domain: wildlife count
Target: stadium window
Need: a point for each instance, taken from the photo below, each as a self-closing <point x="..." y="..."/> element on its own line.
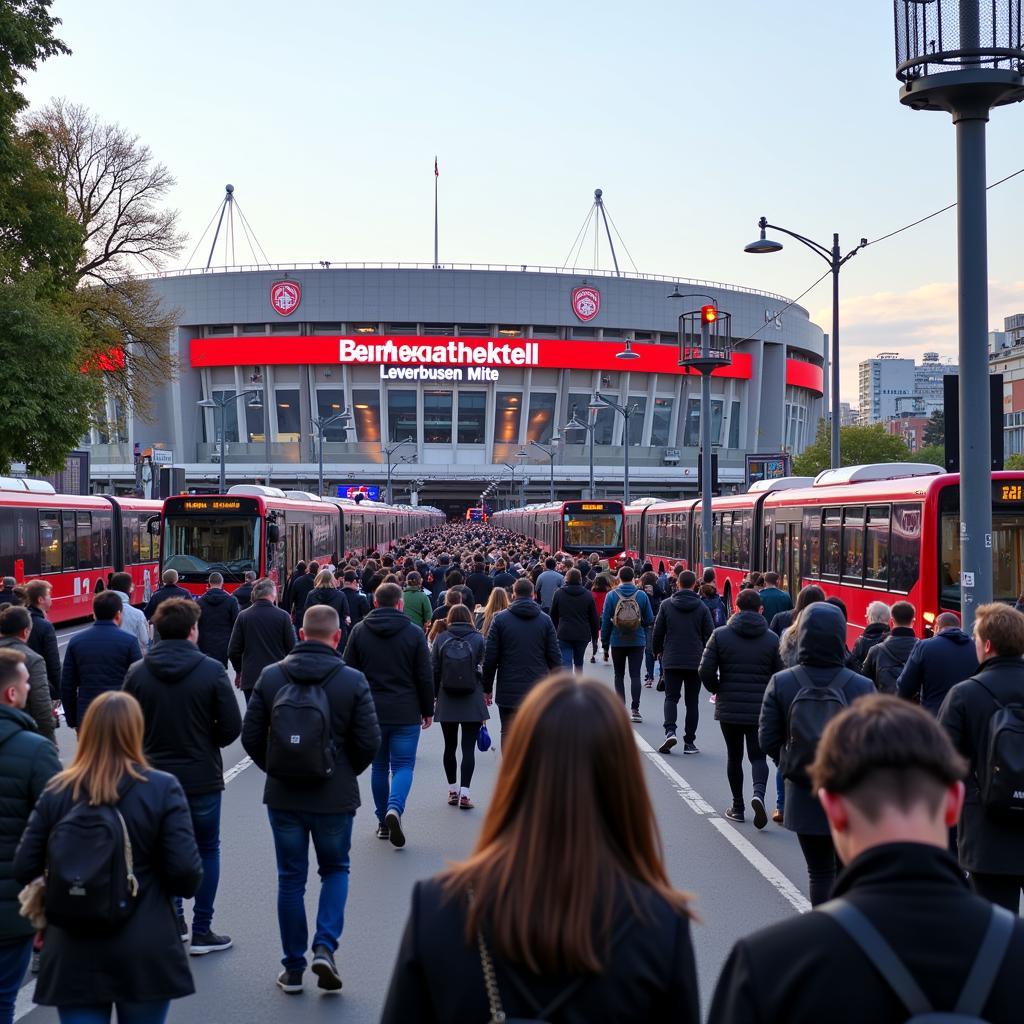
<point x="288" y="418"/>
<point x="472" y="417"/>
<point x="661" y="420"/>
<point x="540" y="424"/>
<point x="366" y="412"/>
<point x="636" y="420"/>
<point x="230" y="414"/>
<point x="437" y="417"/>
<point x="508" y="410"/>
<point x="402" y="415"/>
<point x="331" y="402"/>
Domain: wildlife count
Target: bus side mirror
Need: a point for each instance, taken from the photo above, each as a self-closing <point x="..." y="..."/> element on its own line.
<point x="273" y="533"/>
<point x="153" y="525"/>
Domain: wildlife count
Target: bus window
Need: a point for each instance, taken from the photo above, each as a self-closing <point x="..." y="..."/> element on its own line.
<point x="811" y="543"/>
<point x="853" y="544"/>
<point x="69" y="545"/>
<point x="876" y="550"/>
<point x="905" y="552"/>
<point x="741" y="539"/>
<point x="49" y="541"/>
<point x="86" y="557"/>
<point x="830" y="546"/>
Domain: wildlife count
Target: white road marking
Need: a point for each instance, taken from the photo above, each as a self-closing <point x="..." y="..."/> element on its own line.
<point x="24" y="1005"/>
<point x="771" y="874"/>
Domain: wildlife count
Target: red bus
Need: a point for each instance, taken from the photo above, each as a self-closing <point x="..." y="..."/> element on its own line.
<point x="575" y="527"/>
<point x="476" y="514"/>
<point x="75" y="542"/>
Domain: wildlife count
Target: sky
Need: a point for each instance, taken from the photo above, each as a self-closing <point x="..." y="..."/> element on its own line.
<point x="694" y="118"/>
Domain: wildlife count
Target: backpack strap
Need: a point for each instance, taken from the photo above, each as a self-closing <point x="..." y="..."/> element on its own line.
<point x="995" y="699"/>
<point x="987" y="963"/>
<point x="881" y="955"/>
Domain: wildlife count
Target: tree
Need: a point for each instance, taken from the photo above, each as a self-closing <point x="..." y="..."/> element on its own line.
<point x="935" y="429"/>
<point x="933" y="453"/>
<point x="858" y="445"/>
<point x="1015" y="461"/>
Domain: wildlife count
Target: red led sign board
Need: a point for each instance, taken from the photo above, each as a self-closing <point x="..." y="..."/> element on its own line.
<point x="804" y="375"/>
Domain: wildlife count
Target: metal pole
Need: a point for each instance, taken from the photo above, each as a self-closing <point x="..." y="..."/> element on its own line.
<point x="625" y="454"/>
<point x="387" y="452"/>
<point x="837" y="263"/>
<point x="551" y="486"/>
<point x="591" y="458"/>
<point x="705" y="446"/>
<point x="223" y="450"/>
<point x="320" y="475"/>
<point x="975" y="412"/>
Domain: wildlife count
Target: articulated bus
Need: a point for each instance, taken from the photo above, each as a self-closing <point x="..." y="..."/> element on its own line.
<point x="862" y="533"/>
<point x="575" y="527"/>
<point x="476" y="514"/>
<point x="267" y="531"/>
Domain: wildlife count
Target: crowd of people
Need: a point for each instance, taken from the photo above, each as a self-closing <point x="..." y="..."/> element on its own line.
<point x="899" y="765"/>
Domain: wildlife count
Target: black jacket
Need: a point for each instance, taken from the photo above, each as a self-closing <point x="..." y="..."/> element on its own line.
<point x="821" y="652"/>
<point x="574" y="614"/>
<point x="263" y="634"/>
<point x="781" y="622"/>
<point x="806" y="969"/>
<point x="243" y="595"/>
<point x="874" y="633"/>
<point x="43" y="640"/>
<point x="458" y="707"/>
<point x="681" y="631"/>
<point x="935" y="666"/>
<point x="27" y="763"/>
<point x="162" y="594"/>
<point x="353" y="725"/>
<point x="96" y="660"/>
<point x="505" y="580"/>
<point x="522" y="648"/>
<point x="392" y="652"/>
<point x="986" y="844"/>
<point x="738" y="661"/>
<point x="336" y="599"/>
<point x="145" y="959"/>
<point x="39" y="705"/>
<point x="218" y="611"/>
<point x="296" y="603"/>
<point x="358" y="605"/>
<point x="481" y="584"/>
<point x="191" y="712"/>
<point x="897" y="646"/>
<point x="651" y="974"/>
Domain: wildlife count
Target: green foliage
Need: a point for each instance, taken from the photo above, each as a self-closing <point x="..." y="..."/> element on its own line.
<point x="934" y="453"/>
<point x="935" y="429"/>
<point x="1015" y="461"/>
<point x="857" y="446"/>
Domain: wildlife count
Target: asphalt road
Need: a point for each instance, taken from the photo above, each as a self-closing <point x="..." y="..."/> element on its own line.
<point x="741" y="879"/>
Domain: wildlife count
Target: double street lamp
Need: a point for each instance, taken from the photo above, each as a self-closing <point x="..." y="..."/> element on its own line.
<point x="576" y="424"/>
<point x="322" y="423"/>
<point x="600" y="402"/>
<point x="550" y="453"/>
<point x="220" y="404"/>
<point x="390" y="450"/>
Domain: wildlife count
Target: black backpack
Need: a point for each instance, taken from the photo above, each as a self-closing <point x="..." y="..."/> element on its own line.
<point x="812" y="709"/>
<point x="458" y="667"/>
<point x="300" y="745"/>
<point x="887" y="668"/>
<point x="1000" y="768"/>
<point x="90" y="882"/>
<point x="980" y="980"/>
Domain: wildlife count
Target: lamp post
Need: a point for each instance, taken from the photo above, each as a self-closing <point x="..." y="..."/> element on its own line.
<point x="390" y="450"/>
<point x="220" y="404"/>
<point x="575" y="424"/>
<point x="512" y="483"/>
<point x="522" y="454"/>
<point x="948" y="61"/>
<point x="322" y="423"/>
<point x="836" y="260"/>
<point x="625" y="411"/>
<point x="550" y="453"/>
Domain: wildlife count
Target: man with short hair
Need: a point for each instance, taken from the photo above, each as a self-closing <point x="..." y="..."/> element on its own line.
<point x="937" y="664"/>
<point x="43" y="638"/>
<point x="301" y="587"/>
<point x="415" y="603"/>
<point x="547" y="583"/>
<point x="97" y="659"/>
<point x="358" y="603"/>
<point x="627" y="644"/>
<point x="502" y="577"/>
<point x="132" y="619"/>
<point x="773" y="598"/>
<point x="885" y="661"/>
<point x="15" y="629"/>
<point x="262" y="635"/>
<point x="27" y="763"/>
<point x="889" y="782"/>
<point x="877" y="629"/>
<point x="218" y="611"/>
<point x="191" y="713"/>
<point x="990" y="838"/>
<point x="391" y="651"/>
<point x="321" y="809"/>
<point x="168" y="588"/>
<point x="7" y="595"/>
<point x="479" y="581"/>
<point x="244" y="594"/>
<point x="522" y="648"/>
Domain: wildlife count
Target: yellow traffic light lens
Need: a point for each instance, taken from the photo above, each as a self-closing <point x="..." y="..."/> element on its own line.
<point x="708" y="314"/>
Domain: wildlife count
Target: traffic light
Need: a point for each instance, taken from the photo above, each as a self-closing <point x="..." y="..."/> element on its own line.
<point x="708" y="315"/>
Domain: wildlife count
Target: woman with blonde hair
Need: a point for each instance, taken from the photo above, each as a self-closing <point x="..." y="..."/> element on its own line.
<point x="137" y="962"/>
<point x="564" y="910"/>
<point x="497" y="602"/>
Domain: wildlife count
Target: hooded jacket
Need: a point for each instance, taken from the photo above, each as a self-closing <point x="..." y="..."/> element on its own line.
<point x="96" y="660"/>
<point x="874" y="633"/>
<point x="392" y="652"/>
<point x="218" y="611"/>
<point x="821" y="652"/>
<point x="682" y="630"/>
<point x="39" y="705"/>
<point x="935" y="666"/>
<point x="574" y="614"/>
<point x="522" y="648"/>
<point x="353" y="726"/>
<point x="190" y="710"/>
<point x="738" y="661"/>
<point x="416" y="606"/>
<point x="610" y="635"/>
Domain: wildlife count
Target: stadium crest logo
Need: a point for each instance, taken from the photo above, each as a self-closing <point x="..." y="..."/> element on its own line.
<point x="586" y="302"/>
<point x="285" y="297"/>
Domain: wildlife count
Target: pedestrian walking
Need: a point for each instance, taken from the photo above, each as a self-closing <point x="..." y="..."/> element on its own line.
<point x="218" y="612"/>
<point x="7" y="593"/>
<point x="884" y="662"/>
<point x="311" y="792"/>
<point x="513" y="931"/>
<point x="773" y="598"/>
<point x="392" y="653"/>
<point x="877" y="629"/>
<point x="738" y="662"/>
<point x="415" y="603"/>
<point x="797" y="705"/>
<point x="96" y="659"/>
<point x="301" y="586"/>
<point x="521" y="649"/>
<point x="655" y="595"/>
<point x="286" y="595"/>
<point x="479" y="581"/>
<point x="600" y="590"/>
<point x="574" y="615"/>
<point x="460" y="703"/>
<point x="262" y="635"/>
<point x="43" y="638"/>
<point x="358" y="602"/>
<point x="683" y="628"/>
<point x="497" y="602"/>
<point x="168" y="588"/>
<point x="27" y="763"/>
<point x="547" y="583"/>
<point x="191" y="714"/>
<point x="245" y="594"/>
<point x="981" y="715"/>
<point x="937" y="664"/>
<point x="95" y="958"/>
<point x="326" y="592"/>
<point x="714" y="604"/>
<point x="903" y="921"/>
<point x="625" y="620"/>
<point x="15" y="630"/>
<point x="132" y="619"/>
<point x="811" y="594"/>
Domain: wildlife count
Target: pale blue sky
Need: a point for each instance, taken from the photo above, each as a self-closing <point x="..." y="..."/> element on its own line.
<point x="695" y="118"/>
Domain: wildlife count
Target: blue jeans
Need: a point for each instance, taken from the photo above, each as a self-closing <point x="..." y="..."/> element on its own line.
<point x="332" y="838"/>
<point x="14" y="958"/>
<point x="205" y="810"/>
<point x="127" y="1013"/>
<point x="572" y="654"/>
<point x="391" y="776"/>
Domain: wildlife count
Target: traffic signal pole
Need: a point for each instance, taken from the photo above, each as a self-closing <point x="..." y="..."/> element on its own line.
<point x="708" y="314"/>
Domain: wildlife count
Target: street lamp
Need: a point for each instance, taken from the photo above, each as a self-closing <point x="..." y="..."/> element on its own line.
<point x="522" y="454"/>
<point x="627" y="352"/>
<point x="600" y="402"/>
<point x="220" y="404"/>
<point x="836" y="260"/>
<point x="512" y="483"/>
<point x="550" y="453"/>
<point x="576" y="424"/>
<point x="390" y="450"/>
<point x="322" y="423"/>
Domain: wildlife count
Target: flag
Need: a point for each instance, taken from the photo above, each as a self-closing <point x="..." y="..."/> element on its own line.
<point x="435" y="167"/>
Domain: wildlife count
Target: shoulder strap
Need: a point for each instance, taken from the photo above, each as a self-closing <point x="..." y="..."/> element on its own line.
<point x="995" y="699"/>
<point x="986" y="964"/>
<point x="802" y="676"/>
<point x="880" y="953"/>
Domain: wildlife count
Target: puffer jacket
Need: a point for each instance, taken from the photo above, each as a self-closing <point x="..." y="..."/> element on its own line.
<point x="39" y="705"/>
<point x="574" y="614"/>
<point x="682" y="630"/>
<point x="521" y="649"/>
<point x="739" y="660"/>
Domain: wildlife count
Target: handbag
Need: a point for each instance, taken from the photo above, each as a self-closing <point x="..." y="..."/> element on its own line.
<point x="483" y="740"/>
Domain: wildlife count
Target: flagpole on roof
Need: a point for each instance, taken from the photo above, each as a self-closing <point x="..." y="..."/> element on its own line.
<point x="436" y="264"/>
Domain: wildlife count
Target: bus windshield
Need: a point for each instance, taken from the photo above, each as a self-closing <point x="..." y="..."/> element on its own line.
<point x="592" y="531"/>
<point x="197" y="545"/>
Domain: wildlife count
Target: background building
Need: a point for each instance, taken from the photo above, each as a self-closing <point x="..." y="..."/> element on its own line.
<point x="910" y="428"/>
<point x="928" y="384"/>
<point x="1006" y="356"/>
<point x="883" y="381"/>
